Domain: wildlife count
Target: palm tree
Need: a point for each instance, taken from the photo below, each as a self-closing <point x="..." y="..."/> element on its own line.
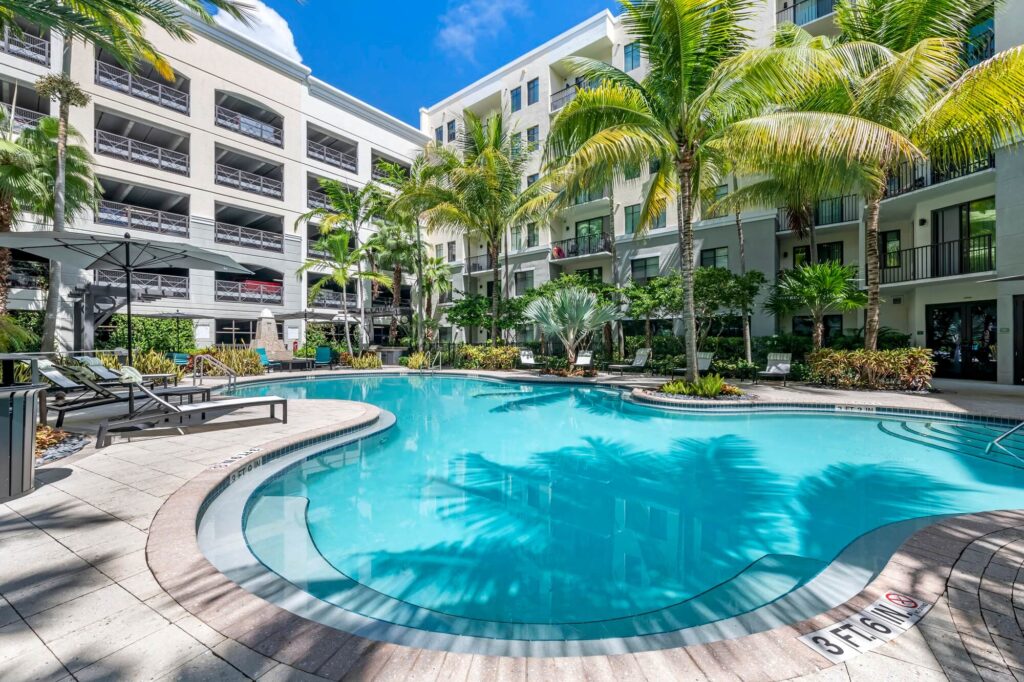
<point x="341" y="265"/>
<point x="349" y="210"/>
<point x="820" y="288"/>
<point x="394" y="247"/>
<point x="699" y="82"/>
<point x="895" y="90"/>
<point x="476" y="189"/>
<point x="572" y="314"/>
<point x="436" y="280"/>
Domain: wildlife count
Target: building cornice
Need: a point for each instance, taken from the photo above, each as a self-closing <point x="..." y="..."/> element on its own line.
<point x="357" y="107"/>
<point x="249" y="49"/>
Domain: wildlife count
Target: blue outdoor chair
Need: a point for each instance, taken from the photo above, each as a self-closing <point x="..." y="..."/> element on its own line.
<point x="267" y="363"/>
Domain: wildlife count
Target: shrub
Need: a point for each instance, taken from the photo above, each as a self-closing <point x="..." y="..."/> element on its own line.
<point x="736" y="369"/>
<point x="241" y="361"/>
<point x="709" y="386"/>
<point x="489" y="357"/>
<point x="150" y="362"/>
<point x="907" y="369"/>
<point x="417" y="361"/>
<point x="368" y="361"/>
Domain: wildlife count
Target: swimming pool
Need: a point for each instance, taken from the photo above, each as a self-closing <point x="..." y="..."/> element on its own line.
<point x="557" y="513"/>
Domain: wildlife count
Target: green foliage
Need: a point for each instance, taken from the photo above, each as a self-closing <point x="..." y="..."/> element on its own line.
<point x="14" y="338"/>
<point x="417" y="361"/>
<point x="31" y="320"/>
<point x="149" y="362"/>
<point x="366" y="361"/>
<point x="242" y="361"/>
<point x="149" y="333"/>
<point x="820" y="288"/>
<point x="571" y="315"/>
<point x="709" y="386"/>
<point x="736" y="369"/>
<point x="488" y="357"/>
<point x="907" y="369"/>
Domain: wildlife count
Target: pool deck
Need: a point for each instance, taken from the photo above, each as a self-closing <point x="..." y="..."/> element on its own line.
<point x="100" y="578"/>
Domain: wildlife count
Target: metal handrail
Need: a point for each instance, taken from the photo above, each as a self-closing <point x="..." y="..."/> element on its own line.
<point x="141" y="218"/>
<point x="248" y="182"/>
<point x="317" y="199"/>
<point x="22" y="117"/>
<point x="333" y="157"/>
<point x="243" y="292"/>
<point x="238" y="235"/>
<point x="116" y="78"/>
<point x="136" y="151"/>
<point x="249" y="126"/>
<point x="34" y="48"/>
<point x="998" y="442"/>
<point x="199" y="365"/>
<point x="170" y="286"/>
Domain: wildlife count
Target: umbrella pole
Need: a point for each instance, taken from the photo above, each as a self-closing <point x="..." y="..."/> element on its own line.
<point x="128" y="310"/>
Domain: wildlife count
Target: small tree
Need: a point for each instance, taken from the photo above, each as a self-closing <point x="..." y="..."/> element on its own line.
<point x="572" y="315"/>
<point x="820" y="288"/>
<point x="650" y="299"/>
<point x="472" y="310"/>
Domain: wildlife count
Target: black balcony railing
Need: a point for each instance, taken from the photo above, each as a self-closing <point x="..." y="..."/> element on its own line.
<point x="29" y="275"/>
<point x="804" y="11"/>
<point x="831" y="211"/>
<point x="248" y="237"/>
<point x="333" y="157"/>
<point x="914" y="176"/>
<point x="26" y="45"/>
<point x="249" y="126"/>
<point x="147" y="154"/>
<point x="480" y="263"/>
<point x="249" y="182"/>
<point x="585" y="245"/>
<point x="981" y="46"/>
<point x="138" y="218"/>
<point x="325" y="298"/>
<point x="249" y="292"/>
<point x="564" y="96"/>
<point x="116" y="78"/>
<point x="168" y="286"/>
<point x="945" y="259"/>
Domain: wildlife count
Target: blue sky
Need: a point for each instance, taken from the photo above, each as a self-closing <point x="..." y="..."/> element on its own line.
<point x="407" y="54"/>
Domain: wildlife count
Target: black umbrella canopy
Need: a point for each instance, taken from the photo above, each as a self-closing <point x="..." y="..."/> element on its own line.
<point x="310" y="315"/>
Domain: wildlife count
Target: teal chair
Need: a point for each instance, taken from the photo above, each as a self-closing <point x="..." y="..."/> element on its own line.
<point x="179" y="359"/>
<point x="266" y="361"/>
<point x="324" y="357"/>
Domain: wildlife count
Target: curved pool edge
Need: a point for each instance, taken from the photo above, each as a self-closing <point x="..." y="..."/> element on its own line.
<point x="921" y="566"/>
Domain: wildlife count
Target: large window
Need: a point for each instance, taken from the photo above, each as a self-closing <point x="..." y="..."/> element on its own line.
<point x="715" y="258"/>
<point x="593" y="274"/>
<point x="643" y="269"/>
<point x="590" y="228"/>
<point x="965" y="238"/>
<point x="531" y="235"/>
<point x="533" y="91"/>
<point x="532" y="137"/>
<point x="632" y="218"/>
<point x="632" y="56"/>
<point x="238" y="332"/>
<point x="803" y="325"/>
<point x="451" y="252"/>
<point x="524" y="282"/>
<point x="439" y="134"/>
<point x="661" y="221"/>
<point x="828" y="251"/>
<point x="889" y="248"/>
<point x="517" y="238"/>
<point x="451" y="131"/>
<point x="517" y="99"/>
<point x="439" y="251"/>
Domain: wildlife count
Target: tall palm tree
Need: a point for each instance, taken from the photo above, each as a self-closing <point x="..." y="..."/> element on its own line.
<point x="821" y="288"/>
<point x="476" y="189"/>
<point x="394" y="247"/>
<point x="349" y="210"/>
<point x="896" y="82"/>
<point x="341" y="265"/>
<point x="437" y="280"/>
<point x="700" y="80"/>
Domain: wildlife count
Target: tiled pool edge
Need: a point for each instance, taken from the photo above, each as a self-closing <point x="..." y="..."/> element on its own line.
<point x="921" y="567"/>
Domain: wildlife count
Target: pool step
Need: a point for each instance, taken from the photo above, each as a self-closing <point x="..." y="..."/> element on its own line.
<point x="959" y="439"/>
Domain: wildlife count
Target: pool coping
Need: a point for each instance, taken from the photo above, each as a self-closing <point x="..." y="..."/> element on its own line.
<point x="920" y="567"/>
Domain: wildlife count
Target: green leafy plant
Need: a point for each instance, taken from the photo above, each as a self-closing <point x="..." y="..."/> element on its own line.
<point x="418" y="361"/>
<point x="366" y="361"/>
<point x="149" y="333"/>
<point x="488" y="357"/>
<point x="709" y="386"/>
<point x="150" y="362"/>
<point x="820" y="288"/>
<point x="906" y="369"/>
<point x="571" y="315"/>
<point x="241" y="361"/>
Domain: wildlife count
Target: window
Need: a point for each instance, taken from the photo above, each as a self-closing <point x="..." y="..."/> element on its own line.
<point x="451" y="131"/>
<point x="517" y="99"/>
<point x="490" y="289"/>
<point x="532" y="137"/>
<point x="715" y="258"/>
<point x="721" y="192"/>
<point x="517" y="143"/>
<point x="533" y="91"/>
<point x="531" y="235"/>
<point x="829" y="251"/>
<point x="594" y="227"/>
<point x="654" y="166"/>
<point x="439" y="251"/>
<point x="969" y="230"/>
<point x="632" y="218"/>
<point x="530" y="179"/>
<point x="889" y="248"/>
<point x="803" y="325"/>
<point x="631" y="172"/>
<point x="517" y="238"/>
<point x="593" y="274"/>
<point x="643" y="269"/>
<point x="661" y="221"/>
<point x="631" y="56"/>
<point x="524" y="282"/>
<point x="451" y="252"/>
<point x="439" y="134"/>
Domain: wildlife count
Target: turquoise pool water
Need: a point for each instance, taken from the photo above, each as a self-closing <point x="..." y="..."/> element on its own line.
<point x="519" y="511"/>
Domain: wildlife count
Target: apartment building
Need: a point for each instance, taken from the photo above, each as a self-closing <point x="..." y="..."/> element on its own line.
<point x="941" y="232"/>
<point x="226" y="156"/>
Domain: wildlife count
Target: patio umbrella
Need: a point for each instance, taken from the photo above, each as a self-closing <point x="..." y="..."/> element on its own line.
<point x="308" y="315"/>
<point x="99" y="252"/>
<point x="178" y="316"/>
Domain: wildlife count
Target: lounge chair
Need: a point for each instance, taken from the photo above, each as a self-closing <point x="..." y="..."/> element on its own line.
<point x="104" y="373"/>
<point x="640" y="360"/>
<point x="267" y="363"/>
<point x="527" y="361"/>
<point x="180" y="359"/>
<point x="323" y="358"/>
<point x="704" y="361"/>
<point x="779" y="366"/>
<point x="584" y="360"/>
<point x="179" y="416"/>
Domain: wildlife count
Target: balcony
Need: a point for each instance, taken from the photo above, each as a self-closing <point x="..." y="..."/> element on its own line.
<point x="832" y="211"/>
<point x="161" y="94"/>
<point x="804" y="12"/>
<point x="247" y="237"/>
<point x="325" y="298"/>
<point x="912" y="177"/>
<point x="332" y="157"/>
<point x="982" y="43"/>
<point x="565" y="95"/>
<point x="127" y="216"/>
<point x="481" y="263"/>
<point x="946" y="259"/>
<point x="587" y="245"/>
<point x="29" y="275"/>
<point x="27" y="46"/>
<point x="249" y="291"/>
<point x="249" y="182"/>
<point x="249" y="126"/>
<point x="587" y="196"/>
<point x="21" y="117"/>
<point x="170" y="286"/>
<point x="111" y="144"/>
<point x="316" y="199"/>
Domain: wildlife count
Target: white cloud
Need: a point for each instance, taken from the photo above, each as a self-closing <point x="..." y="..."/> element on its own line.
<point x="467" y="22"/>
<point x="268" y="29"/>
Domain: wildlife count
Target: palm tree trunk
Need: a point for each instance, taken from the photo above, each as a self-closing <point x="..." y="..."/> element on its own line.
<point x="419" y="287"/>
<point x="818" y="335"/>
<point x="684" y="210"/>
<point x="508" y="284"/>
<point x="747" y="343"/>
<point x="396" y="286"/>
<point x="492" y="252"/>
<point x="814" y="244"/>
<point x="344" y="310"/>
<point x="360" y="291"/>
<point x="873" y="282"/>
<point x="49" y="342"/>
